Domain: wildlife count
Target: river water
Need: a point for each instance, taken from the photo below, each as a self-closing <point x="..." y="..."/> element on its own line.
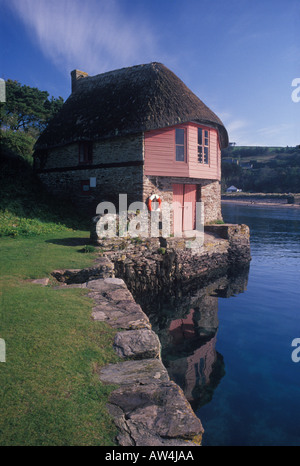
<point x="231" y="351"/>
<point x="257" y="401"/>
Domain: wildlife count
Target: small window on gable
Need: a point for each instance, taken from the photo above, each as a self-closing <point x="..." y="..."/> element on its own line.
<point x="85" y="187"/>
<point x="203" y="146"/>
<point x="180" y="144"/>
<point x="85" y="152"/>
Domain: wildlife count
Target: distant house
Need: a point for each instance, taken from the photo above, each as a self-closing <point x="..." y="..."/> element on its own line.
<point x="233" y="189"/>
<point x="246" y="165"/>
<point x="138" y="131"/>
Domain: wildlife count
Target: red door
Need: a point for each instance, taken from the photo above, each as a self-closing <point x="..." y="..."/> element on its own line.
<point x="184" y="199"/>
<point x="178" y="208"/>
<point x="189" y="207"/>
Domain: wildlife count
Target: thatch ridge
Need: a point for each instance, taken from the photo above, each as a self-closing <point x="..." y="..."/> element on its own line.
<point x="127" y="101"/>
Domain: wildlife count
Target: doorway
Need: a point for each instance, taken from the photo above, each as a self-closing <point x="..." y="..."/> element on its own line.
<point x="184" y="207"/>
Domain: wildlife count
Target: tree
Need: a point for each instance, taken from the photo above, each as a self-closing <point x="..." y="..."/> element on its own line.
<point x="27" y="108"/>
<point x="23" y="116"/>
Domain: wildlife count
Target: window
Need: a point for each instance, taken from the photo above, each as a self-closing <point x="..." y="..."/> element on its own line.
<point x="85" y="152"/>
<point x="203" y="146"/>
<point x="85" y="187"/>
<point x="180" y="144"/>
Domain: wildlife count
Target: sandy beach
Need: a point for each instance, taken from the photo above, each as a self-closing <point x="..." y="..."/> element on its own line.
<point x="261" y="203"/>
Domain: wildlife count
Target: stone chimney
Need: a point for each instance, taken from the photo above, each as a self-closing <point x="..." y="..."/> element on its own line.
<point x="75" y="75"/>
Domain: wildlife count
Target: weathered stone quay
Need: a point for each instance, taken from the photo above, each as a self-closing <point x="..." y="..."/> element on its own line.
<point x="148" y="408"/>
<point x="160" y="264"/>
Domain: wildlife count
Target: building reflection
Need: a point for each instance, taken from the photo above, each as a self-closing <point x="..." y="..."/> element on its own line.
<point x="187" y="326"/>
<point x="190" y="355"/>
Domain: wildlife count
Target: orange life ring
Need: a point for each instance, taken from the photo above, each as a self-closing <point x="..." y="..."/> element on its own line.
<point x="156" y="198"/>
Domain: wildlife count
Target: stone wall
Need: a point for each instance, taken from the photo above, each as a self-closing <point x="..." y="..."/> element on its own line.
<point x="121" y="149"/>
<point x="117" y="166"/>
<point x="147" y="408"/>
<point x="238" y="237"/>
<point x="161" y="264"/>
<point x="211" y="196"/>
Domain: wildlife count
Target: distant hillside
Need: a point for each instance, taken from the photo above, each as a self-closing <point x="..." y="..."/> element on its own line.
<point x="261" y="169"/>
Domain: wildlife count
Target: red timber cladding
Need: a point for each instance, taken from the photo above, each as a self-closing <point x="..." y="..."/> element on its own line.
<point x="160" y="154"/>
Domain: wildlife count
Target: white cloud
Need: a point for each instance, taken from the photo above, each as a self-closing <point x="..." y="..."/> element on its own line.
<point x="93" y="35"/>
<point x="236" y="125"/>
<point x="237" y="128"/>
<point x="274" y="130"/>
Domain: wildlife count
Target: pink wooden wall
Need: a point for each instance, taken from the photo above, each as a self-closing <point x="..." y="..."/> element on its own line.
<point x="160" y="154"/>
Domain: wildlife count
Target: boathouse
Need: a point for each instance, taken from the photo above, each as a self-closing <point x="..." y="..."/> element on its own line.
<point x="138" y="131"/>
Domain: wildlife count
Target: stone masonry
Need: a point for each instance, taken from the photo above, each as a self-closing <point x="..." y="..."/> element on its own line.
<point x="117" y="166"/>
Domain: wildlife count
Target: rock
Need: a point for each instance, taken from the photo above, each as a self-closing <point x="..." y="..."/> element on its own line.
<point x="115" y="305"/>
<point x="154" y="414"/>
<point x="126" y="315"/>
<point x="104" y="269"/>
<point x="114" y="281"/>
<point x="137" y="344"/>
<point x="134" y="372"/>
<point x="106" y="287"/>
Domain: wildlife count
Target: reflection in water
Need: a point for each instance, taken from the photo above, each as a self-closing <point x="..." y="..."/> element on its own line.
<point x="187" y="327"/>
<point x="190" y="357"/>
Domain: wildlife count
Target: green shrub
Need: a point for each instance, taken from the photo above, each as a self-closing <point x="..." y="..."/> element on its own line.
<point x="88" y="248"/>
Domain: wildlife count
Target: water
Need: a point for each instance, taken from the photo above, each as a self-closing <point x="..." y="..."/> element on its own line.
<point x="257" y="402"/>
<point x="232" y="356"/>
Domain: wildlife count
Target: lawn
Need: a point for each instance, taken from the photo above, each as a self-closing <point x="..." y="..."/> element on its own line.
<point x="49" y="389"/>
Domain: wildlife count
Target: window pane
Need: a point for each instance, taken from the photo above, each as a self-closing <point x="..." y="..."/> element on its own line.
<point x="180" y="153"/>
<point x="180" y="136"/>
<point x="200" y="136"/>
<point x="206" y="138"/>
<point x="200" y="154"/>
<point x="85" y="152"/>
<point x="90" y="152"/>
<point x="81" y="152"/>
<point x="205" y="154"/>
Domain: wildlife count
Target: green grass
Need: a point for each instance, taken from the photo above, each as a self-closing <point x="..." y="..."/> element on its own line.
<point x="49" y="389"/>
<point x="27" y="209"/>
<point x="14" y="225"/>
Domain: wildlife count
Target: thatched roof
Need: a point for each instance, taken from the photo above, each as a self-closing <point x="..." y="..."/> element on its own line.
<point x="127" y="101"/>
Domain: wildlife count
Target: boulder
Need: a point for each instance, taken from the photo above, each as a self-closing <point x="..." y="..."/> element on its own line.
<point x="155" y="414"/>
<point x="137" y="344"/>
<point x="143" y="372"/>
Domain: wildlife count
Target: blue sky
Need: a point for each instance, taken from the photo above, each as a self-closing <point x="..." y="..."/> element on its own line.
<point x="239" y="56"/>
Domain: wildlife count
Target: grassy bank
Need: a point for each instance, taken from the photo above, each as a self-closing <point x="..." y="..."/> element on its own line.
<point x="49" y="390"/>
<point x="26" y="208"/>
